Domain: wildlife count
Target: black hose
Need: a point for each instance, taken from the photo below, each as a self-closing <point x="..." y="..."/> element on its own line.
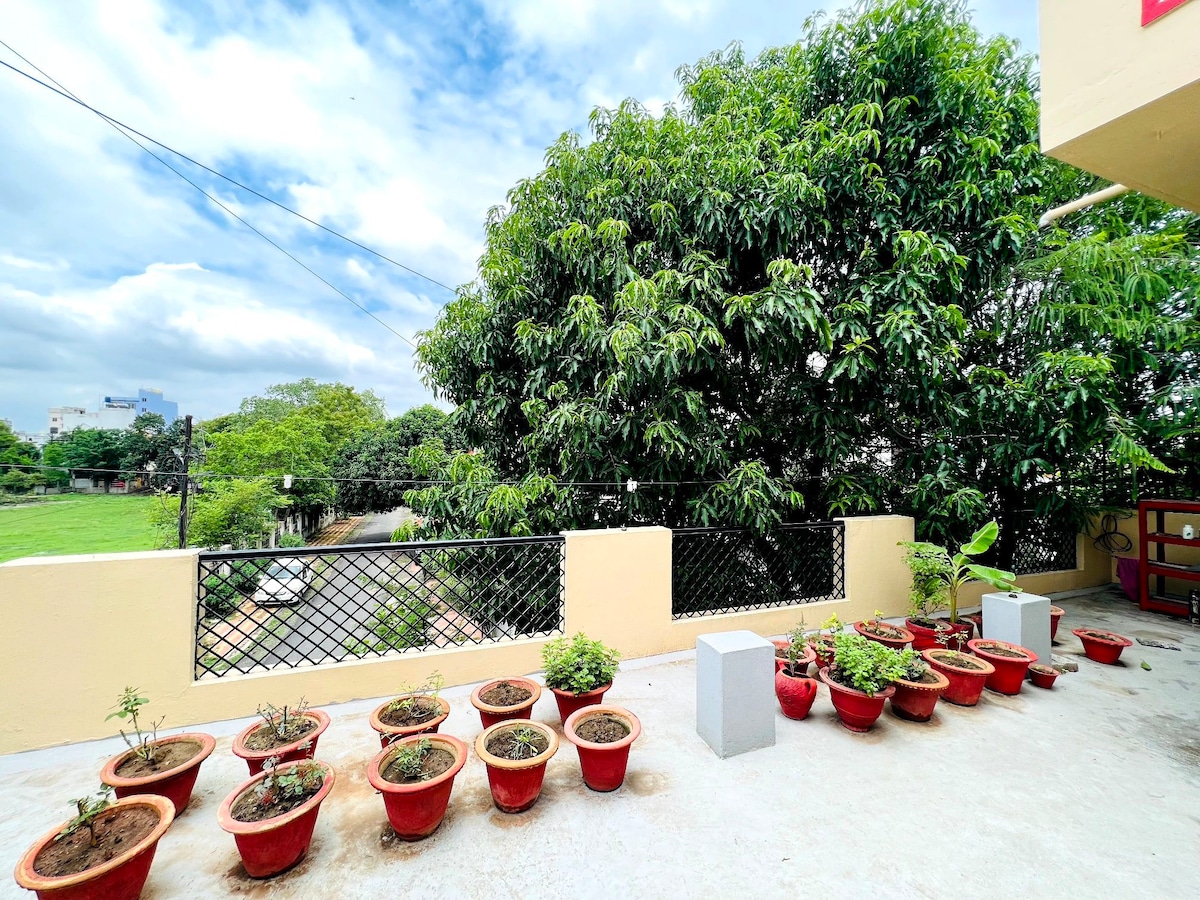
<point x="1110" y="539"/>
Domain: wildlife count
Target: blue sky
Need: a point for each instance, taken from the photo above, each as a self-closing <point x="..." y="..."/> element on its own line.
<point x="399" y="124"/>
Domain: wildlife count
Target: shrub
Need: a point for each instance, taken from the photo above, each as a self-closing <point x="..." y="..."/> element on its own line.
<point x="289" y="539"/>
<point x="220" y="596"/>
<point x="867" y="666"/>
<point x="578" y="665"/>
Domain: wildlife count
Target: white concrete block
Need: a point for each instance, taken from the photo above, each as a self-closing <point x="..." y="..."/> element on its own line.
<point x="735" y="692"/>
<point x="1018" y="618"/>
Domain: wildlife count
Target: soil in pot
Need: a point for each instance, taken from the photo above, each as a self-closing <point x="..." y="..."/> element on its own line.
<point x="116" y="831"/>
<point x="265" y="739"/>
<point x="1001" y="651"/>
<point x="410" y="715"/>
<point x="882" y="629"/>
<point x="434" y="763"/>
<point x="517" y="744"/>
<point x="602" y="729"/>
<point x="505" y="694"/>
<point x="250" y="808"/>
<point x="167" y="757"/>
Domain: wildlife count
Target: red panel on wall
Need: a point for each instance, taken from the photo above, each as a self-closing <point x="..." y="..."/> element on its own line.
<point x="1156" y="9"/>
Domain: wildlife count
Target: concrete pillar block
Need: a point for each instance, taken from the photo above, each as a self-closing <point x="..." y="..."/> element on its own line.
<point x="1018" y="618"/>
<point x="735" y="692"/>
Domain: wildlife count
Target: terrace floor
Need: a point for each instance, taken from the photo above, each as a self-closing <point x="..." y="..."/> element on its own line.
<point x="1091" y="789"/>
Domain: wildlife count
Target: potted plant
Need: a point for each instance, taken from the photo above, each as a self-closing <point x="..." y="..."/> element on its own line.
<point x="272" y="815"/>
<point x="504" y="699"/>
<point x="602" y="735"/>
<point x="794" y="690"/>
<point x="1102" y="646"/>
<point x="861" y="677"/>
<point x="1056" y="614"/>
<point x="418" y="710"/>
<point x="579" y="671"/>
<point x="1042" y="676"/>
<point x="1010" y="662"/>
<point x="515" y="752"/>
<point x="875" y="629"/>
<point x="793" y="651"/>
<point x="285" y="734"/>
<point x="967" y="674"/>
<point x="415" y="775"/>
<point x="917" y="691"/>
<point x="103" y="853"/>
<point x="152" y="765"/>
<point x="938" y="576"/>
<point x="823" y="644"/>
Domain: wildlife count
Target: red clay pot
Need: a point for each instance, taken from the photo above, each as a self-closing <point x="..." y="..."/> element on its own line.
<point x="297" y="750"/>
<point x="975" y="620"/>
<point x="569" y="702"/>
<point x="1056" y="613"/>
<point x="121" y="878"/>
<point x="856" y="710"/>
<point x="416" y="810"/>
<point x="489" y="715"/>
<point x="925" y="638"/>
<point x="795" y="693"/>
<point x="175" y="784"/>
<point x="915" y="700"/>
<point x="388" y="734"/>
<point x="903" y="638"/>
<point x="1042" y="676"/>
<point x="515" y="784"/>
<point x="802" y="663"/>
<point x="823" y="653"/>
<point x="966" y="685"/>
<point x="1010" y="671"/>
<point x="603" y="765"/>
<point x="274" y="845"/>
<point x="1102" y="650"/>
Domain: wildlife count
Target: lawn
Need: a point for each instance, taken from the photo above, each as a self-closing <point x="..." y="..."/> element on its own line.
<point x="76" y="523"/>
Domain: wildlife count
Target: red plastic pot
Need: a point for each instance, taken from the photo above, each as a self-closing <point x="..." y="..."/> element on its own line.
<point x="416" y="810"/>
<point x="175" y="784"/>
<point x="1042" y="676"/>
<point x="274" y="845"/>
<point x="856" y="710"/>
<point x="1102" y="650"/>
<point x="388" y="734"/>
<point x="515" y="783"/>
<point x="916" y="700"/>
<point x="902" y="639"/>
<point x="795" y="693"/>
<point x="1010" y="671"/>
<point x="925" y="638"/>
<point x="603" y="765"/>
<point x="823" y="653"/>
<point x="569" y="702"/>
<point x="966" y="685"/>
<point x="802" y="663"/>
<point x="489" y="715"/>
<point x="297" y="750"/>
<point x="1056" y="613"/>
<point x="121" y="878"/>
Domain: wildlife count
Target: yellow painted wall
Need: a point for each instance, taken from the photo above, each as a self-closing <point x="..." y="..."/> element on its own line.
<point x="1175" y="553"/>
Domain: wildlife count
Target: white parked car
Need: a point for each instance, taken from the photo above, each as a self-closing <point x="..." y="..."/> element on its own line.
<point x="285" y="581"/>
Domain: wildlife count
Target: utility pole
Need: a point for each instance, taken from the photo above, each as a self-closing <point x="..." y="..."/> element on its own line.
<point x="183" y="493"/>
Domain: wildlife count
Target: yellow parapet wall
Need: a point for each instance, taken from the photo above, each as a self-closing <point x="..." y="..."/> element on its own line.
<point x="78" y="629"/>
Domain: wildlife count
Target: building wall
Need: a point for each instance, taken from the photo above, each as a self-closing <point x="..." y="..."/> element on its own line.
<point x="112" y="412"/>
<point x="151" y="400"/>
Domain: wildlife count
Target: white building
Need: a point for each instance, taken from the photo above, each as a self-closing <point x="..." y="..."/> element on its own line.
<point x="112" y="412"/>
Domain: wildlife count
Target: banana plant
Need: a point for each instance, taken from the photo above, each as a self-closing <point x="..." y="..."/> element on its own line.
<point x="960" y="571"/>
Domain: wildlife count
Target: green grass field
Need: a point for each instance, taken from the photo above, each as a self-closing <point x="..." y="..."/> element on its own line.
<point x="76" y="523"/>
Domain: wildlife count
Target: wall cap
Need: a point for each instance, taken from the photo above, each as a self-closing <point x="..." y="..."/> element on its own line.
<point x="98" y="557"/>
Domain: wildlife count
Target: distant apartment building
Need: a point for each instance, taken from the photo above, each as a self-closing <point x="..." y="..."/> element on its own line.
<point x="113" y="412"/>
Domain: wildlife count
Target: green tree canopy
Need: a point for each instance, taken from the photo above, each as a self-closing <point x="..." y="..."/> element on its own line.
<point x="339" y="409"/>
<point x="294" y="445"/>
<point x="95" y="452"/>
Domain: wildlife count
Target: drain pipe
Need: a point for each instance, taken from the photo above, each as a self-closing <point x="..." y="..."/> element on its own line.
<point x="1053" y="215"/>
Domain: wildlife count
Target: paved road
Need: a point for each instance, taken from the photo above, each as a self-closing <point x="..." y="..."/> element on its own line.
<point x="379" y="528"/>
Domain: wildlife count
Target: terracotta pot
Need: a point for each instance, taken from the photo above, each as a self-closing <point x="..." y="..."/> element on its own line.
<point x="416" y="810"/>
<point x="175" y="784"/>
<point x="603" y="765"/>
<point x="823" y="651"/>
<point x="515" y="783"/>
<point x="802" y="663"/>
<point x="274" y="845"/>
<point x="856" y="710"/>
<point x="389" y="733"/>
<point x="1102" y="650"/>
<point x="899" y="642"/>
<point x="1042" y="676"/>
<point x="924" y="637"/>
<point x="795" y="693"/>
<point x="915" y="700"/>
<point x="297" y="750"/>
<point x="1010" y="671"/>
<point x="964" y="629"/>
<point x="489" y="715"/>
<point x="569" y="702"/>
<point x="1056" y="613"/>
<point x="121" y="878"/>
<point x="965" y="684"/>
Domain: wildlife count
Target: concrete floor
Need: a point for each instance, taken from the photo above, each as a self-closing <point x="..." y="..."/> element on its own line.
<point x="1089" y="790"/>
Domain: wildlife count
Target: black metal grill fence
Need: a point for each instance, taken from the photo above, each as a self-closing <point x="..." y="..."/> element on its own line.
<point x="721" y="570"/>
<point x="1040" y="544"/>
<point x="263" y="609"/>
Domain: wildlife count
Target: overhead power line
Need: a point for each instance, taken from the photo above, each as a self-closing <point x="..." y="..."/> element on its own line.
<point x="63" y="92"/>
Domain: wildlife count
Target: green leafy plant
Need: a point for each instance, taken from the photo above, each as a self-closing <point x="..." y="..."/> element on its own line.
<point x="128" y="704"/>
<point x="797" y="644"/>
<point x="866" y="665"/>
<point x="286" y="723"/>
<point x="526" y="740"/>
<point x="289" y="539"/>
<point x="87" y="809"/>
<point x="931" y="569"/>
<point x="956" y="570"/>
<point x="579" y="664"/>
<point x="945" y="637"/>
<point x="305" y="777"/>
<point x="418" y="700"/>
<point x="410" y="758"/>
